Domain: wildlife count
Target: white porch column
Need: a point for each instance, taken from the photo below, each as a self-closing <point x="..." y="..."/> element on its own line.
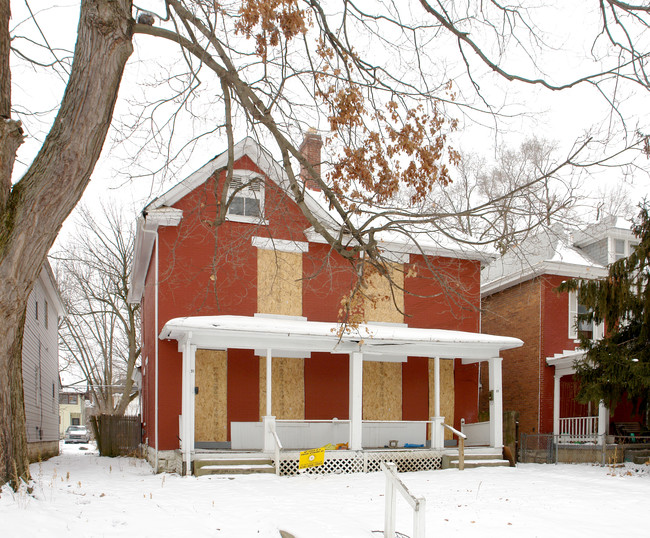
<point x="496" y="402"/>
<point x="269" y="428"/>
<point x="556" y="406"/>
<point x="437" y="432"/>
<point x="603" y="421"/>
<point x="356" y="400"/>
<point x="269" y="382"/>
<point x="437" y="429"/>
<point x="187" y="398"/>
<point x="436" y="386"/>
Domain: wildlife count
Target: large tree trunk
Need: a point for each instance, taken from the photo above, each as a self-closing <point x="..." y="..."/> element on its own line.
<point x="32" y="212"/>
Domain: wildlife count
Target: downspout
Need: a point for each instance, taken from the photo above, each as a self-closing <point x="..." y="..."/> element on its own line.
<point x="540" y="356"/>
<point x="156" y="348"/>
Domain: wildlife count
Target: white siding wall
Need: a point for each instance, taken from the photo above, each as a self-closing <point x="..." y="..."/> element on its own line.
<point x="41" y="365"/>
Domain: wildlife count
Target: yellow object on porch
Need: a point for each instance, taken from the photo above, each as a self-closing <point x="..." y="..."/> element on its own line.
<point x="311" y="458"/>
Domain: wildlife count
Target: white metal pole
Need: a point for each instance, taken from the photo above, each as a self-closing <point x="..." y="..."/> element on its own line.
<point x="155" y="337"/>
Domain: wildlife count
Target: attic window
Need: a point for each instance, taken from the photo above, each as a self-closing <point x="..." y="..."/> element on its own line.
<point x="246" y="195"/>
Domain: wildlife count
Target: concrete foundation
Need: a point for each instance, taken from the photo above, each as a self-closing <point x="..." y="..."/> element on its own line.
<point x="169" y="461"/>
<point x="42" y="450"/>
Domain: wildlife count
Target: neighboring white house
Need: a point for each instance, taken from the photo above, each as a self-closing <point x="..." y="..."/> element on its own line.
<point x="41" y="366"/>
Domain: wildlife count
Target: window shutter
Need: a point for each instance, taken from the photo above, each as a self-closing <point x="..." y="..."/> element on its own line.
<point x="573" y="312"/>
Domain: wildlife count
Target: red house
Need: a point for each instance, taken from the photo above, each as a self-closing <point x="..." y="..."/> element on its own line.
<point x="241" y="343"/>
<point x="519" y="299"/>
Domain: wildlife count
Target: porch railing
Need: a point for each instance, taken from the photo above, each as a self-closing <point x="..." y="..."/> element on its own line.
<point x="578" y="429"/>
<point x="461" y="445"/>
<point x="278" y="448"/>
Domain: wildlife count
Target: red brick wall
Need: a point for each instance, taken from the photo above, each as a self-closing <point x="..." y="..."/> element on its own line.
<point x="555" y="339"/>
<point x="516" y="312"/>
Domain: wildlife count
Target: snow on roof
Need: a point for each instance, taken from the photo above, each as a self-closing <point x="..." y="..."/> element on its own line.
<point x="379" y="340"/>
<point x="544" y="253"/>
<point x="617" y="227"/>
<point x="426" y="239"/>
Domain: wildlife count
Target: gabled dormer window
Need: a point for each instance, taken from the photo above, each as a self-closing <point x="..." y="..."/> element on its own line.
<point x="246" y="197"/>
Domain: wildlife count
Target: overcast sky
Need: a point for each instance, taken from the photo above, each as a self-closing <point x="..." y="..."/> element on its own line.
<point x="561" y="116"/>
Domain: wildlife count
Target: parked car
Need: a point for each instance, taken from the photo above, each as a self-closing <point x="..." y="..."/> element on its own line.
<point x="77" y="434"/>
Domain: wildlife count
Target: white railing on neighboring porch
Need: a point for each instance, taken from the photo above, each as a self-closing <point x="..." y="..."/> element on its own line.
<point x="578" y="429"/>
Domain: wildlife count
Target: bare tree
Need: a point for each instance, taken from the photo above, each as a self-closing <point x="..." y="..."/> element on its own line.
<point x="374" y="75"/>
<point x="100" y="334"/>
<point x="502" y="202"/>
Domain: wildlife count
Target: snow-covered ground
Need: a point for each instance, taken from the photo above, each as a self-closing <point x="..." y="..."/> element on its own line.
<point x="81" y="494"/>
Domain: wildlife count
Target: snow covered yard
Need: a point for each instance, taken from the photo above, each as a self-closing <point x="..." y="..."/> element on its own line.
<point x="81" y="494"/>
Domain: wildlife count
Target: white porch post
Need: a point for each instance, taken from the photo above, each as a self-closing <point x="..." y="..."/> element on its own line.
<point x="269" y="420"/>
<point x="603" y="420"/>
<point x="187" y="409"/>
<point x="356" y="400"/>
<point x="269" y="382"/>
<point x="437" y="429"/>
<point x="496" y="403"/>
<point x="556" y="406"/>
<point x="269" y="429"/>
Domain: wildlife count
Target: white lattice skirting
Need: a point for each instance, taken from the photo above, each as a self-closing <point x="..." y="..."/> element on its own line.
<point x="349" y="461"/>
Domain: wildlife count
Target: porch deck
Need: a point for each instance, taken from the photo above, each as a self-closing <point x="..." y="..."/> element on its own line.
<point x="355" y="461"/>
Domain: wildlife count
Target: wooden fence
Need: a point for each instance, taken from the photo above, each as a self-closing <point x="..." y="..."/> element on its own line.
<point x="117" y="435"/>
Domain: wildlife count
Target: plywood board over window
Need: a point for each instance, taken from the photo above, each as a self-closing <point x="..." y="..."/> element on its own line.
<point x="279" y="291"/>
<point x="447" y="393"/>
<point x="382" y="391"/>
<point x="210" y="420"/>
<point x="279" y="282"/>
<point x="382" y="381"/>
<point x="382" y="303"/>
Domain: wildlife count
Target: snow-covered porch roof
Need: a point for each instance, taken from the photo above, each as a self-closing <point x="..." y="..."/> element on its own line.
<point x="373" y="340"/>
<point x="367" y="342"/>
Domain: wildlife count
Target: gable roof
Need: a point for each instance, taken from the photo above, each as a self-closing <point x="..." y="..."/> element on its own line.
<point x="264" y="161"/>
<point x="160" y="212"/>
<point x="547" y="253"/>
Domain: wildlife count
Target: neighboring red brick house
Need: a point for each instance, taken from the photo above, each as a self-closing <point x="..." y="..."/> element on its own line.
<point x="200" y="383"/>
<point x="519" y="299"/>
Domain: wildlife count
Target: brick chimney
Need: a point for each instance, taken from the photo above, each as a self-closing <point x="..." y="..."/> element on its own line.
<point x="311" y="150"/>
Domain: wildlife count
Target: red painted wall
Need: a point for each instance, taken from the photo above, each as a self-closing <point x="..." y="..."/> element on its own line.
<point x="327" y="387"/>
<point x="415" y="389"/>
<point x="445" y="294"/>
<point x="243" y="386"/>
<point x="198" y="279"/>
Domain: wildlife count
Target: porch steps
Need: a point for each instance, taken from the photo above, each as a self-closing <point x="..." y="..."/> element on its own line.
<point x="230" y="466"/>
<point x="479" y="460"/>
